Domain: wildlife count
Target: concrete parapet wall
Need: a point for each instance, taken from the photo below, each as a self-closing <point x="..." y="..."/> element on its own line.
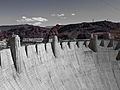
<point x="76" y="67"/>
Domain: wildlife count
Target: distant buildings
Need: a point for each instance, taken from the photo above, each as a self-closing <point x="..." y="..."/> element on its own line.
<point x="32" y="40"/>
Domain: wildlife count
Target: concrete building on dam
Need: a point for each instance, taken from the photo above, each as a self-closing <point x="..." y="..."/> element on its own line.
<point x="81" y="65"/>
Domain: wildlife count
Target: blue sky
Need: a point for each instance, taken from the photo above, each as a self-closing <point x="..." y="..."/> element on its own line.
<point x="52" y="12"/>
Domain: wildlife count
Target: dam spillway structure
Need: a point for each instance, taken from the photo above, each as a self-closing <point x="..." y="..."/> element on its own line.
<point x="73" y="65"/>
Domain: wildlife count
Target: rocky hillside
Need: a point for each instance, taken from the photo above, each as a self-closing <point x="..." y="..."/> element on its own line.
<point x="24" y="31"/>
<point x="83" y="30"/>
<point x="71" y="31"/>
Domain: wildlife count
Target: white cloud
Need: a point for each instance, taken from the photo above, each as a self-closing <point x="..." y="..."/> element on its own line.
<point x="25" y="19"/>
<point x="32" y="20"/>
<point x="73" y="14"/>
<point x="40" y="19"/>
<point x="37" y="23"/>
<point x="60" y="15"/>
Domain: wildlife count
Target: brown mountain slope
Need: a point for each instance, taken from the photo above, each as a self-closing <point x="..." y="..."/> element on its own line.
<point x="71" y="31"/>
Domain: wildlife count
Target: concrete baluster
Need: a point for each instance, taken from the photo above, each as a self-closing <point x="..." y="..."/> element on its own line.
<point x="93" y="43"/>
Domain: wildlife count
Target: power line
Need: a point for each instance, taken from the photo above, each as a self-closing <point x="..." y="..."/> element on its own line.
<point x="111" y="6"/>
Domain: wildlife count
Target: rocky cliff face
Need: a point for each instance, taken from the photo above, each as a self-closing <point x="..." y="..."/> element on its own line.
<point x="61" y="66"/>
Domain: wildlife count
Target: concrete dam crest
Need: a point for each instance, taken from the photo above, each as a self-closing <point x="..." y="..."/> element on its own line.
<point x="82" y="65"/>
